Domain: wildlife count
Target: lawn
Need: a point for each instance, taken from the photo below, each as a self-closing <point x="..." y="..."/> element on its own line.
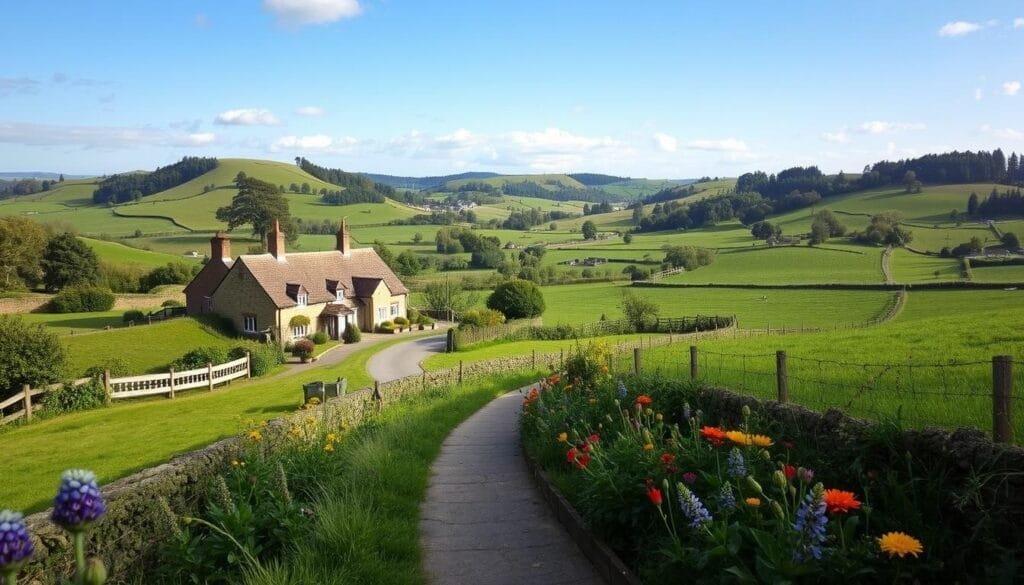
<point x="72" y="323"/>
<point x="963" y="303"/>
<point x="492" y="350"/>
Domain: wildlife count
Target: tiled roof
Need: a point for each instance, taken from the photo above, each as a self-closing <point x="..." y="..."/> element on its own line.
<point x="313" y="270"/>
<point x="364" y="287"/>
<point x="336" y="309"/>
<point x="209" y="278"/>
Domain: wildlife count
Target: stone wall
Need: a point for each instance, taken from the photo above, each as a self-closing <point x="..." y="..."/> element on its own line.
<point x="122" y="302"/>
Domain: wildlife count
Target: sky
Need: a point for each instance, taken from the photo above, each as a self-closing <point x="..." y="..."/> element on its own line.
<point x="659" y="89"/>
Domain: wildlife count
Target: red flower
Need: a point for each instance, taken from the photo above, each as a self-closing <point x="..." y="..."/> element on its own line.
<point x="654" y="495"/>
<point x="571" y="455"/>
<point x="667" y="458"/>
<point x="714" y="435"/>
<point x="594" y="438"/>
<point x="643" y="400"/>
<point x="840" y="502"/>
<point x="789" y="446"/>
<point x="790" y="472"/>
<point x="582" y="461"/>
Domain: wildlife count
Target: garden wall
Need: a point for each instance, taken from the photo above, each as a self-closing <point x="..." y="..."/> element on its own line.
<point x="122" y="302"/>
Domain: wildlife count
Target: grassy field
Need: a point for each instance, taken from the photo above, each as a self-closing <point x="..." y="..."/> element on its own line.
<point x="549" y="182"/>
<point x="911" y="268"/>
<point x="791" y="265"/>
<point x="75" y="323"/>
<point x="124" y="254"/>
<point x="492" y="350"/>
<point x="1012" y="274"/>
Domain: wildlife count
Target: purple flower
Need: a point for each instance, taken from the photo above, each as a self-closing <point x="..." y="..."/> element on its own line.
<point x="805" y="475"/>
<point x="79" y="502"/>
<point x="693" y="509"/>
<point x="726" y="499"/>
<point x="736" y="466"/>
<point x="810" y="525"/>
<point x="690" y="477"/>
<point x="15" y="544"/>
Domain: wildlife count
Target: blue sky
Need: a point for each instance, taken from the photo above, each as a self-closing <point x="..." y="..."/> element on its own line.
<point x="655" y="88"/>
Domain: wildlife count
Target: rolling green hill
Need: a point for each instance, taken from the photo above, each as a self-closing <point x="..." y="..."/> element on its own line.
<point x="550" y="182"/>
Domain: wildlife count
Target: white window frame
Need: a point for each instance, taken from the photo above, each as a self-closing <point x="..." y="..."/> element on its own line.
<point x="382" y="314"/>
<point x="300" y="331"/>
<point x="246" y="320"/>
<point x="394" y="309"/>
<point x="302" y="299"/>
<point x="341" y="295"/>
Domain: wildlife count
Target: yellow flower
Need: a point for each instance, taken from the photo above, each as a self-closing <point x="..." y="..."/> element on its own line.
<point x="255" y="436"/>
<point x="900" y="544"/>
<point x="761" y="440"/>
<point x="234" y="463"/>
<point x="331" y="437"/>
<point x="563" y="437"/>
<point x="753" y="502"/>
<point x="648" y="447"/>
<point x="741" y="438"/>
<point x="648" y="412"/>
<point x="329" y="447"/>
<point x="658" y="417"/>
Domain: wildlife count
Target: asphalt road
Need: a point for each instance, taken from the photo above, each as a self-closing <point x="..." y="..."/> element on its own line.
<point x="402" y="360"/>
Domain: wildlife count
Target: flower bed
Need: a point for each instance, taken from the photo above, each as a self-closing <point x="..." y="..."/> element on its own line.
<point x="679" y="481"/>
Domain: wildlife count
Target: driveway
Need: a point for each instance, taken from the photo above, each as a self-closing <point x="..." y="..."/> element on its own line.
<point x="402" y="360"/>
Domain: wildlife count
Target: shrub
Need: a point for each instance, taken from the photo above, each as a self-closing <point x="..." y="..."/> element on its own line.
<point x="172" y="303"/>
<point x="29" y="354"/>
<point x="414" y="315"/>
<point x="73" y="398"/>
<point x="320" y="337"/>
<point x="351" y="334"/>
<point x="298" y="321"/>
<point x="482" y="318"/>
<point x="199" y="357"/>
<point x="424" y="320"/>
<point x="263" y="357"/>
<point x="133" y="316"/>
<point x="517" y="299"/>
<point x="401" y="321"/>
<point x="386" y="327"/>
<point x="118" y="368"/>
<point x="303" y="349"/>
<point x="82" y="300"/>
<point x="288" y="345"/>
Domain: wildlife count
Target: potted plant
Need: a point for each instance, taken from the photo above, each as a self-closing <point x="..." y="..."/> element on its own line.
<point x="303" y="349"/>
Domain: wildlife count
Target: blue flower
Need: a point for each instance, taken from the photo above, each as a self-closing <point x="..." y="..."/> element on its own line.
<point x="686" y="411"/>
<point x="622" y="389"/>
<point x="726" y="499"/>
<point x="15" y="544"/>
<point x="79" y="502"/>
<point x="810" y="525"/>
<point x="693" y="509"/>
<point x="736" y="466"/>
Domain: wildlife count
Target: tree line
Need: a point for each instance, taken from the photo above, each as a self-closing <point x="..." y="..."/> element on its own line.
<point x="1009" y="202"/>
<point x="358" y="188"/>
<point x="19" y="187"/>
<point x="134" y="186"/>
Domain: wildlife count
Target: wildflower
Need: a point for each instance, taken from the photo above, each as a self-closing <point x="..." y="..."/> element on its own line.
<point x="255" y="436"/>
<point x="222" y="493"/>
<point x="810" y="525"/>
<point x="281" y="481"/>
<point x="805" y="475"/>
<point x="788" y="446"/>
<point x="714" y="435"/>
<point x="571" y="455"/>
<point x="583" y="461"/>
<point x="331" y="437"/>
<point x="643" y="400"/>
<point x="79" y="502"/>
<point x="741" y="438"/>
<point x="594" y="438"/>
<point x="726" y="499"/>
<point x="649" y="447"/>
<point x="692" y="508"/>
<point x="745" y="411"/>
<point x="621" y="390"/>
<point x="15" y="543"/>
<point x="329" y="447"/>
<point x="563" y="437"/>
<point x="653" y="493"/>
<point x="690" y="477"/>
<point x="234" y="463"/>
<point x="735" y="466"/>
<point x="753" y="502"/>
<point x="648" y="411"/>
<point x="840" y="502"/>
<point x="659" y="417"/>
<point x="790" y="472"/>
<point x="667" y="458"/>
<point x="900" y="544"/>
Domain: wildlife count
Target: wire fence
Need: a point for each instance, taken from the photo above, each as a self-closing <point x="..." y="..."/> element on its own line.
<point x="948" y="394"/>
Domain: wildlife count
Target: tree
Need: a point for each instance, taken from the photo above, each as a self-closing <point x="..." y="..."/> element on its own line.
<point x="21" y="249"/>
<point x="259" y="204"/>
<point x="627" y="239"/>
<point x="61" y="179"/>
<point x="417" y="238"/>
<point x="909" y="181"/>
<point x="408" y="263"/>
<point x="688" y="257"/>
<point x="385" y="253"/>
<point x="448" y="297"/>
<point x="885" y="229"/>
<point x="972" y="204"/>
<point x="29" y="354"/>
<point x="589" y="230"/>
<point x="517" y="299"/>
<point x="825" y="226"/>
<point x="763" y="230"/>
<point x="819" y="232"/>
<point x="638" y="311"/>
<point x="638" y="214"/>
<point x="67" y="261"/>
<point x="1011" y="241"/>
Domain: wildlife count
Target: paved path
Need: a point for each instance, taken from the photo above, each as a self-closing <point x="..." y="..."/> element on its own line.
<point x="403" y="359"/>
<point x="483" y="522"/>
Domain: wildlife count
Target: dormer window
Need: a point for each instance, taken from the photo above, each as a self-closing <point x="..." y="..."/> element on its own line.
<point x="341" y="295"/>
<point x="302" y="298"/>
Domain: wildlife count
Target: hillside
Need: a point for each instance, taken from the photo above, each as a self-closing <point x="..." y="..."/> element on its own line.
<point x="551" y="182"/>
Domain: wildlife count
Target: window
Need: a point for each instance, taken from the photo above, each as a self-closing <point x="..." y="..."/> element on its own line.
<point x="382" y="314"/>
<point x="302" y="298"/>
<point x="394" y="309"/>
<point x="341" y="295"/>
<point x="249" y="323"/>
<point x="300" y="331"/>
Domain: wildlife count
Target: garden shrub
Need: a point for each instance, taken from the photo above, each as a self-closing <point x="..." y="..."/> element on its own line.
<point x="351" y="334"/>
<point x="303" y="349"/>
<point x="414" y="315"/>
<point x="401" y="321"/>
<point x="74" y="398"/>
<point x="386" y="327"/>
<point x="200" y="357"/>
<point x="517" y="299"/>
<point x="263" y="357"/>
<point x="29" y="354"/>
<point x="482" y="318"/>
<point x="118" y="368"/>
<point x="133" y="316"/>
<point x="319" y="338"/>
<point x="424" y="320"/>
<point x="298" y="321"/>
<point x="81" y="300"/>
<point x="172" y="303"/>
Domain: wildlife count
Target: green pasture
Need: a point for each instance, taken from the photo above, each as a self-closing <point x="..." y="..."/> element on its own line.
<point x="66" y="195"/>
<point x="75" y="323"/>
<point x="927" y="304"/>
<point x="549" y="181"/>
<point x="124" y="254"/>
<point x="223" y="177"/>
<point x="1007" y="273"/>
<point x="911" y="268"/>
<point x="828" y="264"/>
<point x="494" y="350"/>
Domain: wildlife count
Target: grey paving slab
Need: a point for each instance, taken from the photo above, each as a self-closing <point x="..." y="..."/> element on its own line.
<point x="483" y="521"/>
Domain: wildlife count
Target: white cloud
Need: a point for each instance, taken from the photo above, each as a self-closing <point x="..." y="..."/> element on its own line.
<point x="1011" y="88"/>
<point x="978" y="94"/>
<point x="841" y="136"/>
<point x="665" y="142"/>
<point x="311" y="111"/>
<point x="959" y="28"/>
<point x="879" y="127"/>
<point x="302" y="12"/>
<point x="1004" y="133"/>
<point x="202" y="138"/>
<point x="314" y="142"/>
<point x="1018" y="22"/>
<point x="247" y="117"/>
<point x="724" y="145"/>
<point x="555" y="140"/>
<point x="107" y="137"/>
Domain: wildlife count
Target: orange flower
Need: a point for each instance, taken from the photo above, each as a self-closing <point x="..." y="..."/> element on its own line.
<point x="840" y="502"/>
<point x="667" y="458"/>
<point x="714" y="435"/>
<point x="900" y="544"/>
<point x="643" y="400"/>
<point x="741" y="438"/>
<point x="753" y="502"/>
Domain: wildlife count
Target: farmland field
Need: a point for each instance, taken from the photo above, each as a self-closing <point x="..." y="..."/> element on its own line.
<point x="117" y="252"/>
<point x="911" y="268"/>
<point x="790" y="265"/>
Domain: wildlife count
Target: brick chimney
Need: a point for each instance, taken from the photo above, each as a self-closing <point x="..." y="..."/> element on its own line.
<point x="220" y="247"/>
<point x="275" y="242"/>
<point x="342" y="238"/>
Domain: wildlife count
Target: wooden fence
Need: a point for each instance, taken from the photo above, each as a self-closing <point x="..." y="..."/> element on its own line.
<point x="168" y="383"/>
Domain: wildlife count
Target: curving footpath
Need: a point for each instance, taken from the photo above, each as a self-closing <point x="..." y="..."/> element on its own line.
<point x="483" y="522"/>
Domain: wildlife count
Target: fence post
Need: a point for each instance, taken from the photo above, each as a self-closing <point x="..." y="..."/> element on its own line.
<point x="1002" y="396"/>
<point x="248" y="366"/>
<point x="460" y="372"/>
<point x="26" y="400"/>
<point x="450" y="345"/>
<point x="209" y="376"/>
<point x="636" y="360"/>
<point x="424" y="380"/>
<point x="377" y="396"/>
<point x="781" y="376"/>
<point x="694" y="372"/>
<point x="106" y="386"/>
<point x="171" y="374"/>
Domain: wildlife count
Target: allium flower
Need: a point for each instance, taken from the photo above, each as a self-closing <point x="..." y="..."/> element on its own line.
<point x="79" y="502"/>
<point x="900" y="544"/>
<point x="736" y="466"/>
<point x="15" y="544"/>
<point x="621" y="389"/>
<point x="692" y="508"/>
<point x="726" y="499"/>
<point x="810" y="525"/>
<point x="840" y="502"/>
<point x="690" y="477"/>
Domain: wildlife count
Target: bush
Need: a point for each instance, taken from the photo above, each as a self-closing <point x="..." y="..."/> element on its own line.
<point x="73" y="398"/>
<point x="263" y="357"/>
<point x="414" y="315"/>
<point x="29" y="354"/>
<point x="82" y="300"/>
<point x="424" y="320"/>
<point x="199" y="357"/>
<point x="482" y="318"/>
<point x="386" y="327"/>
<point x="517" y="299"/>
<point x="133" y="316"/>
<point x="303" y="349"/>
<point x="401" y="321"/>
<point x="172" y="303"/>
<point x="118" y="368"/>
<point x="351" y="334"/>
<point x="320" y="337"/>
<point x="298" y="321"/>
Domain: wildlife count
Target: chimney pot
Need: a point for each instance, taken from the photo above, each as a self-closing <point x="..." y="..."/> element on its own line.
<point x="275" y="242"/>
